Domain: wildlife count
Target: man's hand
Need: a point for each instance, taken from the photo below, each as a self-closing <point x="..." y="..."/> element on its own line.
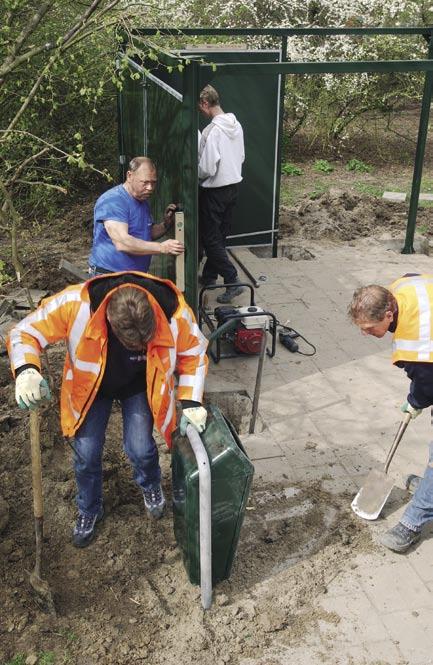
<point x="30" y="389"/>
<point x="195" y="416"/>
<point x="408" y="408"/>
<point x="168" y="219"/>
<point x="172" y="247"/>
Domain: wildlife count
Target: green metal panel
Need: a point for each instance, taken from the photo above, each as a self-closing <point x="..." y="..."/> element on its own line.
<point x="157" y="122"/>
<point x="231" y="477"/>
<point x="131" y="122"/>
<point x="255" y="100"/>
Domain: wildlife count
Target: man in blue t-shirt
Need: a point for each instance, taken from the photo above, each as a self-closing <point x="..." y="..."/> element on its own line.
<point x="124" y="232"/>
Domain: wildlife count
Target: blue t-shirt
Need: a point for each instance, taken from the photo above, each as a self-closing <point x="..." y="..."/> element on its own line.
<point x="118" y="206"/>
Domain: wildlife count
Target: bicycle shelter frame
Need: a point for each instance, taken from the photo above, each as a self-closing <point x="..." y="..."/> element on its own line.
<point x="195" y="71"/>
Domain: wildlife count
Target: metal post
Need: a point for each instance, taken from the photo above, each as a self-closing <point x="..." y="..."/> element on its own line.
<point x="279" y="149"/>
<point x="190" y="113"/>
<point x="419" y="156"/>
<point x="258" y="384"/>
<point x="205" y="515"/>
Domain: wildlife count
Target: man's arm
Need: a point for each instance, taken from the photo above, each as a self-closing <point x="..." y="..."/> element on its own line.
<point x="421" y="388"/>
<point x="46" y="325"/>
<point x="209" y="160"/>
<point x="125" y="242"/>
<point x="158" y="230"/>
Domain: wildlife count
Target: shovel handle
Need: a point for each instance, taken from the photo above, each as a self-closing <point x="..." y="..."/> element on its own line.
<point x="38" y="505"/>
<point x="401" y="430"/>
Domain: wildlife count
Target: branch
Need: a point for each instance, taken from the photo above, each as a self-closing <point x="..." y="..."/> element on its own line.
<point x="23" y="165"/>
<point x="22" y="132"/>
<point x="16" y="218"/>
<point x="82" y="20"/>
<point x="31" y="94"/>
<point x="8" y="64"/>
<point x="63" y="43"/>
<point x="45" y="184"/>
<point x="28" y="55"/>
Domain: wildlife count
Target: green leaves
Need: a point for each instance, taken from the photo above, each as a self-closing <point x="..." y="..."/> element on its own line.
<point x="323" y="166"/>
<point x="290" y="169"/>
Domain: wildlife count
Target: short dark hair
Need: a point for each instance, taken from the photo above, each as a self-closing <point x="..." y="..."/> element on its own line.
<point x="210" y="95"/>
<point x="136" y="162"/>
<point x="131" y="317"/>
<point x="370" y="303"/>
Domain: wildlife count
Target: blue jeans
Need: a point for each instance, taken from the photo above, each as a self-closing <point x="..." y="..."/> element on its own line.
<point x="420" y="509"/>
<point x="138" y="443"/>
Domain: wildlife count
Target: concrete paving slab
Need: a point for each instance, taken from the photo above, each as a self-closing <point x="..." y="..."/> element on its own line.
<point x="273" y="470"/>
<point x="411" y="632"/>
<point x="359" y="621"/>
<point x="260" y="447"/>
<point x="394" y="586"/>
<point x="306" y="452"/>
<point x="331" y="419"/>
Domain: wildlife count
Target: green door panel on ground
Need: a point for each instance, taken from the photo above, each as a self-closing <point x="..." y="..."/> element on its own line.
<point x="231" y="477"/>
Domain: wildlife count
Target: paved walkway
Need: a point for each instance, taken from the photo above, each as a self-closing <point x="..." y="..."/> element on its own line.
<point x="347" y="397"/>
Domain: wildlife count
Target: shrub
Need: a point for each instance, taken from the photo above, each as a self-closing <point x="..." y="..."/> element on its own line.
<point x="323" y="166"/>
<point x="291" y="169"/>
<point x="358" y="166"/>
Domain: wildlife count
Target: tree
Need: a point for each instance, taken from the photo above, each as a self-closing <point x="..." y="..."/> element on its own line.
<point x="57" y="73"/>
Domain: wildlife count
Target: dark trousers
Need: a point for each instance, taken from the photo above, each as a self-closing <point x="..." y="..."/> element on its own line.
<point x="215" y="215"/>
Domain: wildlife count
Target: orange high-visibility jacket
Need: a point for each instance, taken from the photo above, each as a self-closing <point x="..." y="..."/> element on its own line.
<point x="413" y="336"/>
<point x="178" y="346"/>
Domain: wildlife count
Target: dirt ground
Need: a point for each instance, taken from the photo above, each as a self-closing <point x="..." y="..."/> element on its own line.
<point x="341" y="215"/>
<point x="126" y="599"/>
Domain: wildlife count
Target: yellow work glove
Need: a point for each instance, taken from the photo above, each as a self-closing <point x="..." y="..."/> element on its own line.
<point x="195" y="416"/>
<point x="30" y="389"/>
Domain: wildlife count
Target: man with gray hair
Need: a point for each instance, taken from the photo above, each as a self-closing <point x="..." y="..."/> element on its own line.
<point x="405" y="309"/>
<point x="124" y="232"/>
<point x="221" y="155"/>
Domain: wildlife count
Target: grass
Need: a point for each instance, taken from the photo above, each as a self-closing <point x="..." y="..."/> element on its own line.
<point x="19" y="659"/>
<point x="359" y="166"/>
<point x="426" y="185"/>
<point x="323" y="166"/>
<point x="291" y="169"/>
<point x="368" y="188"/>
<point x="46" y="658"/>
<point x="319" y="189"/>
<point x="314" y="181"/>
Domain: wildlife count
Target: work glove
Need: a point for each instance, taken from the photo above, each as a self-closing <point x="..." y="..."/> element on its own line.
<point x="30" y="389"/>
<point x="408" y="408"/>
<point x="195" y="416"/>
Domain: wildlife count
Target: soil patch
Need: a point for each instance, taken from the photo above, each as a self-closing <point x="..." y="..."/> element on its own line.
<point x="126" y="599"/>
<point x="340" y="215"/>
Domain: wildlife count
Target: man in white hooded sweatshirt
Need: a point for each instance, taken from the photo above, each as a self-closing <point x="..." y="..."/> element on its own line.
<point x="221" y="155"/>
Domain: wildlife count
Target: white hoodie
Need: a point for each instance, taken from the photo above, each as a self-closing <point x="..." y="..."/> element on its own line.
<point x="221" y="152"/>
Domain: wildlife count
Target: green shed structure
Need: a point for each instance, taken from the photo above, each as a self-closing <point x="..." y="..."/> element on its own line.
<point x="158" y="116"/>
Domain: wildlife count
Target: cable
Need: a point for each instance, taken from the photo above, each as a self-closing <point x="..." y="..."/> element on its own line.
<point x="288" y="340"/>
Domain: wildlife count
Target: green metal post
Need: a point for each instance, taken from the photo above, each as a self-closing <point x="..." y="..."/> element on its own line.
<point x="419" y="157"/>
<point x="190" y="99"/>
<point x="279" y="148"/>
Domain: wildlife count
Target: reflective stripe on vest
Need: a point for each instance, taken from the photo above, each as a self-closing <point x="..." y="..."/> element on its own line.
<point x="413" y="336"/>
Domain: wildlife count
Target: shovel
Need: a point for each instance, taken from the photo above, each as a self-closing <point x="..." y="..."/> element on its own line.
<point x="39" y="585"/>
<point x="372" y="496"/>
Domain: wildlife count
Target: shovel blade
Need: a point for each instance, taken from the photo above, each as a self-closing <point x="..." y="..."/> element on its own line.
<point x="372" y="496"/>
